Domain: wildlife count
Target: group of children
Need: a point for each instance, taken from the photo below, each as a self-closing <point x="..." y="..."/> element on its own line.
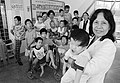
<point x="40" y="41"/>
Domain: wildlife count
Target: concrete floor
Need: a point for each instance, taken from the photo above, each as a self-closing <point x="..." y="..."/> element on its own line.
<point x="13" y="73"/>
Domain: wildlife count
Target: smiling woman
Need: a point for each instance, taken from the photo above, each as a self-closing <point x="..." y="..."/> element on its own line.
<point x="103" y="48"/>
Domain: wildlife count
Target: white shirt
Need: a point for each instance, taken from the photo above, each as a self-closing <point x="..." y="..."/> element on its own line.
<point x="40" y="26"/>
<point x="39" y="53"/>
<point x="102" y="53"/>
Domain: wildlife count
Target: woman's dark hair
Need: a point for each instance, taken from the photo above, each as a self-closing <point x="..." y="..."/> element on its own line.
<point x="38" y="38"/>
<point x="29" y="21"/>
<point x="18" y="18"/>
<point x="51" y="11"/>
<point x="81" y="36"/>
<point x="66" y="39"/>
<point x="109" y="17"/>
<point x="44" y="13"/>
<point x="67" y="6"/>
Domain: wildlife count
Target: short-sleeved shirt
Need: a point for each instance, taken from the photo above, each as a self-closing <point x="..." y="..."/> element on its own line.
<point x="30" y="35"/>
<point x="19" y="32"/>
<point x="39" y="53"/>
<point x="39" y="26"/>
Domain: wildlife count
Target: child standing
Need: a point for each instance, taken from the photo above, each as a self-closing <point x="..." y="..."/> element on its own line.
<point x="29" y="36"/>
<point x="77" y="56"/>
<point x="18" y="31"/>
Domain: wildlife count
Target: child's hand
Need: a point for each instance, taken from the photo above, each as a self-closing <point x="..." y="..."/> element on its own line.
<point x="70" y="60"/>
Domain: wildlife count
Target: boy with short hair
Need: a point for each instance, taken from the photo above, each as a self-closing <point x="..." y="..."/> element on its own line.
<point x="48" y="44"/>
<point x="37" y="56"/>
<point x="18" y="31"/>
<point x="39" y="25"/>
<point x="77" y="56"/>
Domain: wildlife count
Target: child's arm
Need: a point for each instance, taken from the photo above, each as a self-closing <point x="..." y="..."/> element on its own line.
<point x="80" y="65"/>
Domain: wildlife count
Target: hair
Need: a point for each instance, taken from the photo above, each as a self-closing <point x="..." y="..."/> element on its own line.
<point x="67" y="6"/>
<point x="109" y="17"/>
<point x="44" y="13"/>
<point x="64" y="21"/>
<point x="85" y="13"/>
<point x="29" y="21"/>
<point x="43" y="30"/>
<point x="18" y="18"/>
<point x="39" y="17"/>
<point x="81" y="36"/>
<point x="76" y="11"/>
<point x="61" y="10"/>
<point x="51" y="11"/>
<point x="75" y="18"/>
<point x="38" y="38"/>
<point x="75" y="27"/>
<point x="66" y="39"/>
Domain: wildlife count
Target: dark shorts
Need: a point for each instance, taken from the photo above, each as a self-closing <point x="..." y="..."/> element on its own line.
<point x="43" y="60"/>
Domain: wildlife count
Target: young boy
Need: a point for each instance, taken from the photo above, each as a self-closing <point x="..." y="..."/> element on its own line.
<point x="37" y="56"/>
<point x="39" y="25"/>
<point x="18" y="31"/>
<point x="48" y="43"/>
<point x="77" y="56"/>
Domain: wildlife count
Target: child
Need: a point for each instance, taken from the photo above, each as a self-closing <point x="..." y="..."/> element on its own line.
<point x="39" y="25"/>
<point x="53" y="30"/>
<point x="77" y="56"/>
<point x="29" y="36"/>
<point x="18" y="31"/>
<point x="75" y="23"/>
<point x="48" y="45"/>
<point x="63" y="46"/>
<point x="63" y="29"/>
<point x="37" y="56"/>
<point x="61" y="16"/>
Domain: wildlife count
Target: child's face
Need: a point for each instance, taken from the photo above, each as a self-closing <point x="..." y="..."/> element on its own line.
<point x="52" y="24"/>
<point x="39" y="43"/>
<point x="40" y="20"/>
<point x="76" y="15"/>
<point x="61" y="13"/>
<point x="75" y="22"/>
<point x="64" y="40"/>
<point x="16" y="21"/>
<point x="74" y="46"/>
<point x="28" y="25"/>
<point x="43" y="34"/>
<point x="62" y="24"/>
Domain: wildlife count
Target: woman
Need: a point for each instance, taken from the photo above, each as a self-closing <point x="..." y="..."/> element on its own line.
<point x="101" y="48"/>
<point x="84" y="24"/>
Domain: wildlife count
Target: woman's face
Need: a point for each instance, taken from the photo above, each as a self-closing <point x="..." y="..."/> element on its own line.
<point x="100" y="25"/>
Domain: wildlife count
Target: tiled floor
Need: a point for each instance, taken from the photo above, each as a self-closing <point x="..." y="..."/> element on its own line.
<point x="13" y="73"/>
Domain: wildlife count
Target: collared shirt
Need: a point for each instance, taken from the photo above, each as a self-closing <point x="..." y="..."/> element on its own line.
<point x="19" y="32"/>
